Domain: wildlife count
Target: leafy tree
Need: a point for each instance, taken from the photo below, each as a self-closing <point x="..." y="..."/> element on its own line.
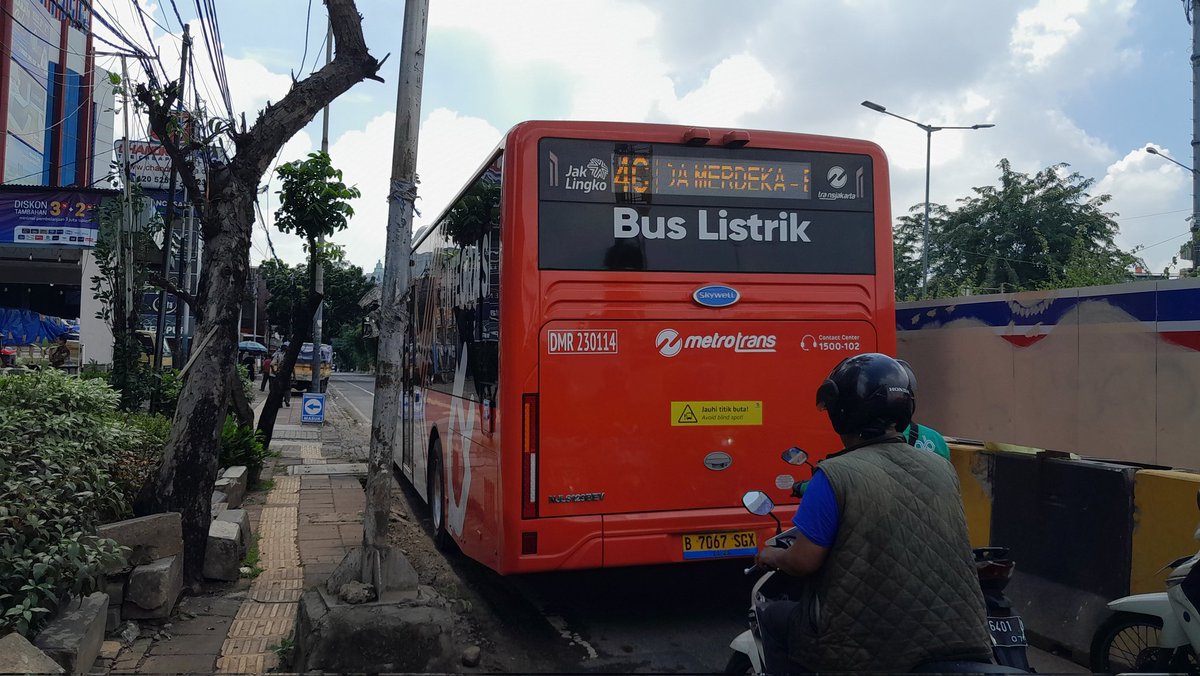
<point x="345" y="285"/>
<point x="185" y="479"/>
<point x="314" y="203"/>
<point x="906" y="253"/>
<point x="119" y="286"/>
<point x="1029" y="232"/>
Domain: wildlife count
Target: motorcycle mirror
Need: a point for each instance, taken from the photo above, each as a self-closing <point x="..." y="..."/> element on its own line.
<point x="796" y="456"/>
<point x="758" y="503"/>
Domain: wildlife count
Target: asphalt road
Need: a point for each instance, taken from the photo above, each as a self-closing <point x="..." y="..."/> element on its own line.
<point x="677" y="618"/>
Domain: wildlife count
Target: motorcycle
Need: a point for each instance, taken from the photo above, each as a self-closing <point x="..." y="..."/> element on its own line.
<point x="1008" y="634"/>
<point x="1155" y="632"/>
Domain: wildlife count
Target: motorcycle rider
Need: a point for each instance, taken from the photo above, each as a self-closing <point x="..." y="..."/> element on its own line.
<point x="888" y="579"/>
<point x="920" y="436"/>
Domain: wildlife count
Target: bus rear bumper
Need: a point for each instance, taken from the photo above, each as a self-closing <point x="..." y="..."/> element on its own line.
<point x="658" y="537"/>
<point x="612" y="541"/>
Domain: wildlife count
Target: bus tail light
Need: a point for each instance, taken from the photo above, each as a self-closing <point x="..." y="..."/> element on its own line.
<point x="529" y="456"/>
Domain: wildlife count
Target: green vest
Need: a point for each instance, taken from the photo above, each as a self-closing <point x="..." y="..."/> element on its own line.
<point x="898" y="587"/>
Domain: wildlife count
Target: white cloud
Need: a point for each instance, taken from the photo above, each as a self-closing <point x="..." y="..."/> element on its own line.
<point x="1151" y="196"/>
<point x="1043" y="31"/>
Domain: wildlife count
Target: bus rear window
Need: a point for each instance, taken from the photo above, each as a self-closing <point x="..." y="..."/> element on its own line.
<point x="649" y="207"/>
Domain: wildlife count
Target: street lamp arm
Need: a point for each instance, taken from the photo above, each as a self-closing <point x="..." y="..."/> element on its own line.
<point x="1155" y="151"/>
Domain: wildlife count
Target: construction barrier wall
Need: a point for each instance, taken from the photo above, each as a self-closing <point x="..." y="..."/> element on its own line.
<point x="1082" y="532"/>
<point x="1106" y="372"/>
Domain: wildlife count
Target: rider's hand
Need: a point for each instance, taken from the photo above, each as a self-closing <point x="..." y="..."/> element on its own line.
<point x="768" y="557"/>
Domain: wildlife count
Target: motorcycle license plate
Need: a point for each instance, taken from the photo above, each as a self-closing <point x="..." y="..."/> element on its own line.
<point x="719" y="545"/>
<point x="1007" y="631"/>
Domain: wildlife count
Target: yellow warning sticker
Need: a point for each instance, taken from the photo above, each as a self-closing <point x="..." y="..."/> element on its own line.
<point x="695" y="413"/>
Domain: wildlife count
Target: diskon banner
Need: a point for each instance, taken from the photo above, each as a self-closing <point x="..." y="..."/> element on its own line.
<point x="49" y="218"/>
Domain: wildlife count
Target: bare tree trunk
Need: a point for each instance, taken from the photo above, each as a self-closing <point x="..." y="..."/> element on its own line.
<point x="281" y="378"/>
<point x="185" y="479"/>
<point x="241" y="405"/>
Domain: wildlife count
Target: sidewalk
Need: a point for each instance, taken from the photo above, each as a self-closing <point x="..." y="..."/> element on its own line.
<point x="309" y="516"/>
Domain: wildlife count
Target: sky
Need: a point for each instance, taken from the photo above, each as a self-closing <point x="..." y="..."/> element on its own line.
<point x="1089" y="83"/>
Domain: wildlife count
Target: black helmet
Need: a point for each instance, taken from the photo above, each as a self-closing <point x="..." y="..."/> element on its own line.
<point x="868" y="393"/>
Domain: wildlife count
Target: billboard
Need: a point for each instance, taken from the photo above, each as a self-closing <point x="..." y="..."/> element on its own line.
<point x="149" y="164"/>
<point x="49" y="218"/>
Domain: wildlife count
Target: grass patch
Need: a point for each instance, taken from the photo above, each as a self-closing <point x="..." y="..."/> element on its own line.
<point x="265" y="485"/>
<point x="284" y="650"/>
<point x="251" y="561"/>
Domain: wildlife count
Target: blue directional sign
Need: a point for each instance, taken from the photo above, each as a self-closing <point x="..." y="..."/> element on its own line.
<point x="312" y="408"/>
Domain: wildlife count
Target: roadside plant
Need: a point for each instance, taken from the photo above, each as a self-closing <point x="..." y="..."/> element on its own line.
<point x="60" y="448"/>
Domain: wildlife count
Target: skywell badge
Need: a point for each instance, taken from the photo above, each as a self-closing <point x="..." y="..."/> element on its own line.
<point x="716" y="295"/>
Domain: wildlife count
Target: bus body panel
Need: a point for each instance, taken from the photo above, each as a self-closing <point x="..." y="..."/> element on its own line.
<point x="580" y="533"/>
<point x="684" y="414"/>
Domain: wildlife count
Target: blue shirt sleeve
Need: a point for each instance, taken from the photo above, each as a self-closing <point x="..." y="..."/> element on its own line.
<point x="817" y="516"/>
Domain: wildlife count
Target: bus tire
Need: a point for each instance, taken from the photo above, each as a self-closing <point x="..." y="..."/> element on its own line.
<point x="436" y="492"/>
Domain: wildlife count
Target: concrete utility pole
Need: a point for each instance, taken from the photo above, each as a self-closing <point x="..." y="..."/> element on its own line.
<point x="392" y="318"/>
<point x="320" y="271"/>
<point x="168" y="233"/>
<point x="1190" y="8"/>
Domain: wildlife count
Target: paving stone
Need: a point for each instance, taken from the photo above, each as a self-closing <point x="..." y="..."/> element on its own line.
<point x="202" y="626"/>
<point x="247" y="664"/>
<point x="222" y="556"/>
<point x="208" y="643"/>
<point x="153" y="589"/>
<point x="73" y="637"/>
<point x="242" y="518"/>
<point x="255" y="610"/>
<point x="110" y="649"/>
<point x="339" y="468"/>
<point x="19" y="656"/>
<point x="247" y="646"/>
<point x="211" y="605"/>
<point x="270" y="627"/>
<point x="178" y="664"/>
<point x="148" y="537"/>
<point x="130" y="657"/>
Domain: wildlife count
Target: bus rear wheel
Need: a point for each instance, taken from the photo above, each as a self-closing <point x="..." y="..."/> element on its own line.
<point x="436" y="492"/>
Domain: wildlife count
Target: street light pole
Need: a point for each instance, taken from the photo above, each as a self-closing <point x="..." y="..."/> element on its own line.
<point x="928" y="129"/>
<point x="1195" y="203"/>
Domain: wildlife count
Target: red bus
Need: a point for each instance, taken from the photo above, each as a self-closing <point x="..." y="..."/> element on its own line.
<point x="617" y="329"/>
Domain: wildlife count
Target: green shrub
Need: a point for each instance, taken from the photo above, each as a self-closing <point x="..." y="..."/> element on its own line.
<point x="241" y="446"/>
<point x="137" y="461"/>
<point x="60" y="447"/>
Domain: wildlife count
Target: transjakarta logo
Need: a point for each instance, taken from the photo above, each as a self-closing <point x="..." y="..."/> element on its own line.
<point x="670" y="343"/>
<point x="788" y="227"/>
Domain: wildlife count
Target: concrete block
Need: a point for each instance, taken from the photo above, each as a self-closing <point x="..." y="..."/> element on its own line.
<point x="114" y="586"/>
<point x="153" y="589"/>
<point x="242" y="519"/>
<point x="238" y="473"/>
<point x="219" y="498"/>
<point x="19" y="656"/>
<point x="399" y="573"/>
<point x="234" y="490"/>
<point x="222" y="557"/>
<point x="73" y="637"/>
<point x="148" y="537"/>
<point x="112" y="620"/>
<point x="409" y="636"/>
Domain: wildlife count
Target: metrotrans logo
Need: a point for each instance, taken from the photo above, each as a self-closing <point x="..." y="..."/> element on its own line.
<point x="670" y="342"/>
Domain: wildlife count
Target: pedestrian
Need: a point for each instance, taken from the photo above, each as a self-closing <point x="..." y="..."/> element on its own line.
<point x="248" y="362"/>
<point x="266" y="373"/>
<point x="276" y="361"/>
<point x="61" y="354"/>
